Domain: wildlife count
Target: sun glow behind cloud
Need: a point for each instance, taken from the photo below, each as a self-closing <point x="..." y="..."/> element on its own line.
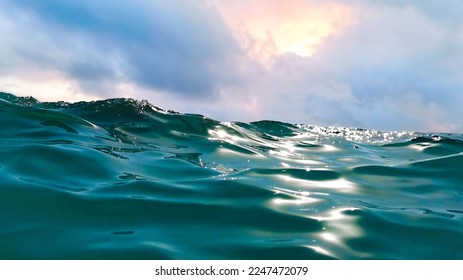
<point x="266" y="29"/>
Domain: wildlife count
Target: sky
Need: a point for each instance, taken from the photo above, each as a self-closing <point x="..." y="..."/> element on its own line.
<point x="376" y="64"/>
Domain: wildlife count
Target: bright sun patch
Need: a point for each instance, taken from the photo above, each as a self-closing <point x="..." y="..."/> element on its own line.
<point x="266" y="29"/>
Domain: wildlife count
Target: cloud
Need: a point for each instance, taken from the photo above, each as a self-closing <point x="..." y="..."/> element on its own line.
<point x="270" y="28"/>
<point x="178" y="46"/>
<point x="391" y="56"/>
<point x="449" y="13"/>
<point x="391" y="67"/>
<point x="376" y="64"/>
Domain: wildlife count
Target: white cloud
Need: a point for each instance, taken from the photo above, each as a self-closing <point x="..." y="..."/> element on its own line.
<point x="395" y="67"/>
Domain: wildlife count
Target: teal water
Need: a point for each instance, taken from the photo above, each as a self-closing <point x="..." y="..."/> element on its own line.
<point x="122" y="179"/>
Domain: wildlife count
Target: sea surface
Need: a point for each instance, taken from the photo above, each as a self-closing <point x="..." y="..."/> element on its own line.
<point x="122" y="179"/>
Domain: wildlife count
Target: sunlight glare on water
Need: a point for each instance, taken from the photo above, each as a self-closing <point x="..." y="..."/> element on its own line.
<point x="122" y="179"/>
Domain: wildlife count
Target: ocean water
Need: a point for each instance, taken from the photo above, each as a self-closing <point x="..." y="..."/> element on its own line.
<point x="122" y="179"/>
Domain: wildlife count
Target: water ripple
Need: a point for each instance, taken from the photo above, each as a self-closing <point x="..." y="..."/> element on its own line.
<point x="123" y="179"/>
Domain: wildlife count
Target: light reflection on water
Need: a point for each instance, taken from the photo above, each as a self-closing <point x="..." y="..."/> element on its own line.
<point x="141" y="183"/>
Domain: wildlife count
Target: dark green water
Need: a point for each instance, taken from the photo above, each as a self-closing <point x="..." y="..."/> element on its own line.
<point x="121" y="179"/>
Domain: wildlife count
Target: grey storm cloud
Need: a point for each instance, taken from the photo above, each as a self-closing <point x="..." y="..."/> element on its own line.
<point x="176" y="46"/>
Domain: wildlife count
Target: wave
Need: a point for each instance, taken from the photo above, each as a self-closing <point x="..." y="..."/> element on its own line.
<point x="123" y="179"/>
